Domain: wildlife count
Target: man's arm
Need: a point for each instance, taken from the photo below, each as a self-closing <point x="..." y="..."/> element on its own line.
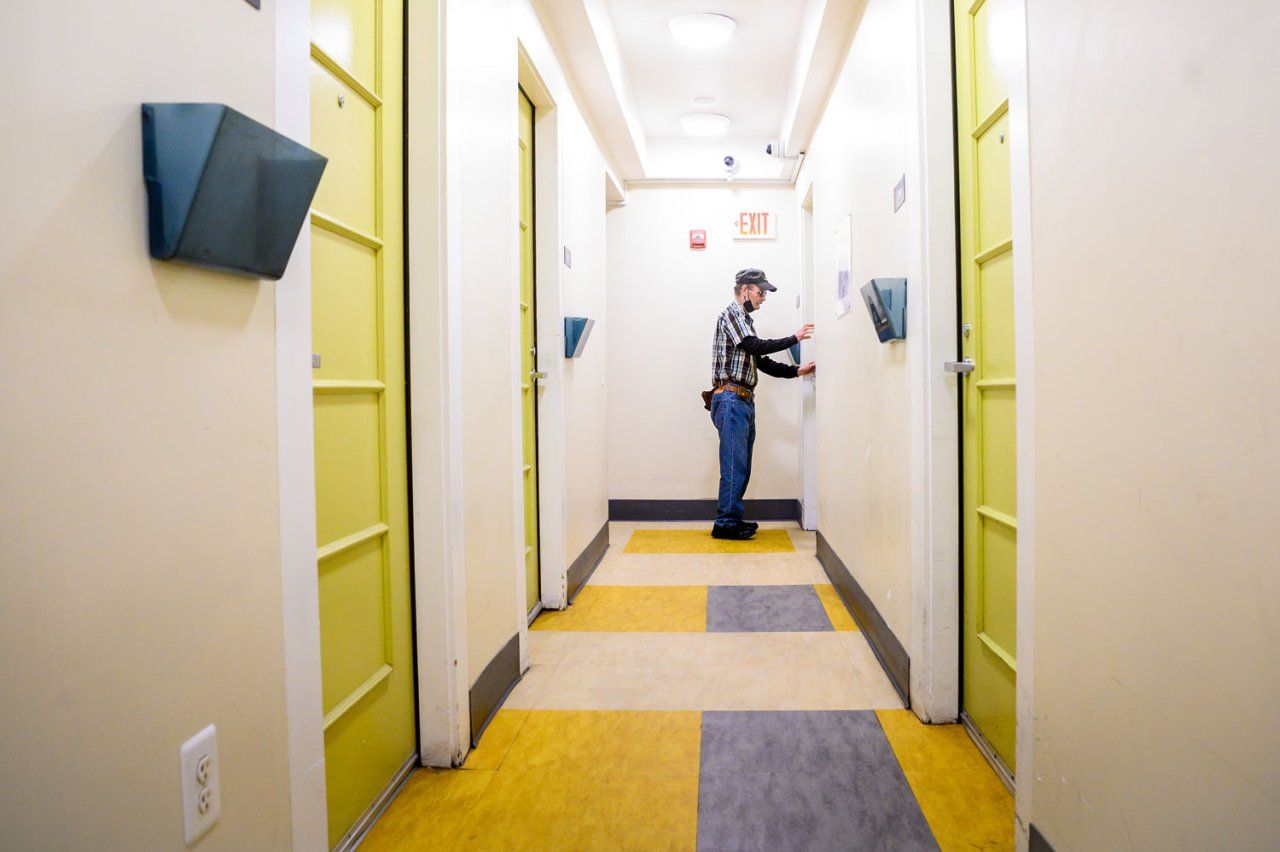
<point x="760" y="347"/>
<point x="773" y="368"/>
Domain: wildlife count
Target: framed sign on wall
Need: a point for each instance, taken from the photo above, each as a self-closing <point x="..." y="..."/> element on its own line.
<point x="844" y="265"/>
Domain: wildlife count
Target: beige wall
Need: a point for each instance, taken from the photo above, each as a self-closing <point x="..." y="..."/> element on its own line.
<point x="482" y="55"/>
<point x="1154" y="178"/>
<point x="139" y="548"/>
<point x="663" y="302"/>
<point x="863" y="387"/>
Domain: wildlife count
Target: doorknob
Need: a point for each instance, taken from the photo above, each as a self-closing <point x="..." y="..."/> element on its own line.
<point x="962" y="367"/>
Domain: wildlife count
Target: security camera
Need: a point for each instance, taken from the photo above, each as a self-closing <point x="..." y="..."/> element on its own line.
<point x="730" y="164"/>
<point x="776" y="148"/>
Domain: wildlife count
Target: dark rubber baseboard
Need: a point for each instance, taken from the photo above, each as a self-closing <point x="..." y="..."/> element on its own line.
<point x="699" y="510"/>
<point x="1038" y="843"/>
<point x="585" y="565"/>
<point x="888" y="650"/>
<point x="491" y="688"/>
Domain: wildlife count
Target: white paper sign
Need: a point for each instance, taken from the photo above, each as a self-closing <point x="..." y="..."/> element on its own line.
<point x="844" y="265"/>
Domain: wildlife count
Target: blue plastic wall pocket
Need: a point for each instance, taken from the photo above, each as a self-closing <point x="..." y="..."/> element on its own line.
<point x="576" y="332"/>
<point x="223" y="191"/>
<point x="886" y="301"/>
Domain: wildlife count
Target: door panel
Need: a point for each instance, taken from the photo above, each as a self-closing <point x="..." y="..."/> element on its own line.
<point x="357" y="328"/>
<point x="990" y="392"/>
<point x="528" y="359"/>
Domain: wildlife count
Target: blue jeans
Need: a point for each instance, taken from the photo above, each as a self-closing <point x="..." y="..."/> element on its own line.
<point x="735" y="419"/>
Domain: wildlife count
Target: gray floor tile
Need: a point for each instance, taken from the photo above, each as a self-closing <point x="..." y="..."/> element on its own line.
<point x="805" y="781"/>
<point x="765" y="609"/>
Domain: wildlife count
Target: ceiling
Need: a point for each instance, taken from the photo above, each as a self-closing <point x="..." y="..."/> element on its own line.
<point x="749" y="76"/>
<point x="634" y="81"/>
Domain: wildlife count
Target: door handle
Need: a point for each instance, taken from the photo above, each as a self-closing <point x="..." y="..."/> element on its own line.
<point x="962" y="367"/>
<point x="536" y="376"/>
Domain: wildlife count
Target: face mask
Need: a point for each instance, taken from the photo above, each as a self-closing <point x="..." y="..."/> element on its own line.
<point x="747" y="306"/>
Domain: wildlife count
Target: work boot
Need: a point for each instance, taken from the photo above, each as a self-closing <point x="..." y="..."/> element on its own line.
<point x="736" y="532"/>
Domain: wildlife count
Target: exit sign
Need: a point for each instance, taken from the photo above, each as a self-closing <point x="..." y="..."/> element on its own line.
<point x="755" y="225"/>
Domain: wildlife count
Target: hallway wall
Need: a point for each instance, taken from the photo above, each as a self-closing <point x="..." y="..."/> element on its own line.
<point x="1157" y="408"/>
<point x="863" y="388"/>
<point x="663" y="301"/>
<point x="482" y="51"/>
<point x="140" y="546"/>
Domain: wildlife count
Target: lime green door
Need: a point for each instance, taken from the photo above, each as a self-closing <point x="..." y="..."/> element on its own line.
<point x="990" y="523"/>
<point x="529" y="356"/>
<point x="357" y="294"/>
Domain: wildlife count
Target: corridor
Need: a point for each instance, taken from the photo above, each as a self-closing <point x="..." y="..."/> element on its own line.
<point x="705" y="694"/>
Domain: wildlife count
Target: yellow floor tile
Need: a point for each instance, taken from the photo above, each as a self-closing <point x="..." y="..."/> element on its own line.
<point x="601" y="809"/>
<point x="700" y="541"/>
<point x="841" y="620"/>
<point x="659" y="742"/>
<point x="430" y="810"/>
<point x="496" y="740"/>
<point x="961" y="796"/>
<point x="965" y="811"/>
<point x="921" y="746"/>
<point x="646" y="609"/>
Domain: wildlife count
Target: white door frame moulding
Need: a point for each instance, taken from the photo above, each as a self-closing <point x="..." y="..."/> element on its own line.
<point x="295" y="446"/>
<point x="435" y="390"/>
<point x="808" y="387"/>
<point x="934" y="645"/>
<point x="549" y="273"/>
<point x="1024" y="356"/>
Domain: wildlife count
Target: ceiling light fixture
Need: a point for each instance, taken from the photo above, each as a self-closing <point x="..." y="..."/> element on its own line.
<point x="702" y="29"/>
<point x="704" y="124"/>
<point x="704" y="100"/>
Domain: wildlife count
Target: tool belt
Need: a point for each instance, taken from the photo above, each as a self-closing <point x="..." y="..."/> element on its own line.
<point x="745" y="393"/>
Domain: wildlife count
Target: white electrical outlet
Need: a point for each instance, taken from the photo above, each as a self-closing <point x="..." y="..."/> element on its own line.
<point x="201" y="792"/>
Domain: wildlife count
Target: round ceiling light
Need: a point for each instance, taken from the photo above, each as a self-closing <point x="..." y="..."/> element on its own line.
<point x="704" y="124"/>
<point x="702" y="29"/>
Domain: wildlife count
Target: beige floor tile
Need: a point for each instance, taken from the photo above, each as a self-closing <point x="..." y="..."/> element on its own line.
<point x="596" y="685"/>
<point x="813" y="569"/>
<point x="530" y="688"/>
<point x="805" y="541"/>
<point x="700" y="569"/>
<point x="546" y="646"/>
<point x="780" y="671"/>
<point x="875" y="683"/>
<point x="619" y="530"/>
<point x="638" y="648"/>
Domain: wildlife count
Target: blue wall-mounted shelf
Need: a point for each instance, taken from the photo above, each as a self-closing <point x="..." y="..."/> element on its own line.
<point x="224" y="191"/>
<point x="576" y="332"/>
<point x="886" y="301"/>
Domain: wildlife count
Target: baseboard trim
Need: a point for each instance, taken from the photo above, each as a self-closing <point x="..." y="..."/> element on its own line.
<point x="1037" y="841"/>
<point x="888" y="650"/>
<point x="587" y="562"/>
<point x="493" y="686"/>
<point x="699" y="510"/>
<point x="355" y="835"/>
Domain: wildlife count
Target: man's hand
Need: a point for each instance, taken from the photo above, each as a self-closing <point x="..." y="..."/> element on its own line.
<point x="806" y="369"/>
<point x="805" y="332"/>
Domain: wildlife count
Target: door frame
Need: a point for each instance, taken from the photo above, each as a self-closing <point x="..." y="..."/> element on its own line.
<point x="808" y="386"/>
<point x="1024" y="354"/>
<point x="295" y="447"/>
<point x="549" y="273"/>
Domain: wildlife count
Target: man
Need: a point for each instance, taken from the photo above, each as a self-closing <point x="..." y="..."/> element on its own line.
<point x="736" y="356"/>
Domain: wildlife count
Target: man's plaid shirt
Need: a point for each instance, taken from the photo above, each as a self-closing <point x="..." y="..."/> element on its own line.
<point x="728" y="362"/>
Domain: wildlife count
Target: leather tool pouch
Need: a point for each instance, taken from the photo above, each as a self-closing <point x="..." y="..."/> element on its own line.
<point x="706" y="399"/>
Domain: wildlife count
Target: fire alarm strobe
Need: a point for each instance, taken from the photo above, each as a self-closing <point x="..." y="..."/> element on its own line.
<point x="697" y="239"/>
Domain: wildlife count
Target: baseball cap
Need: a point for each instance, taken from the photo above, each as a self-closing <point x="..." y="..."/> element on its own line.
<point x="751" y="275"/>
